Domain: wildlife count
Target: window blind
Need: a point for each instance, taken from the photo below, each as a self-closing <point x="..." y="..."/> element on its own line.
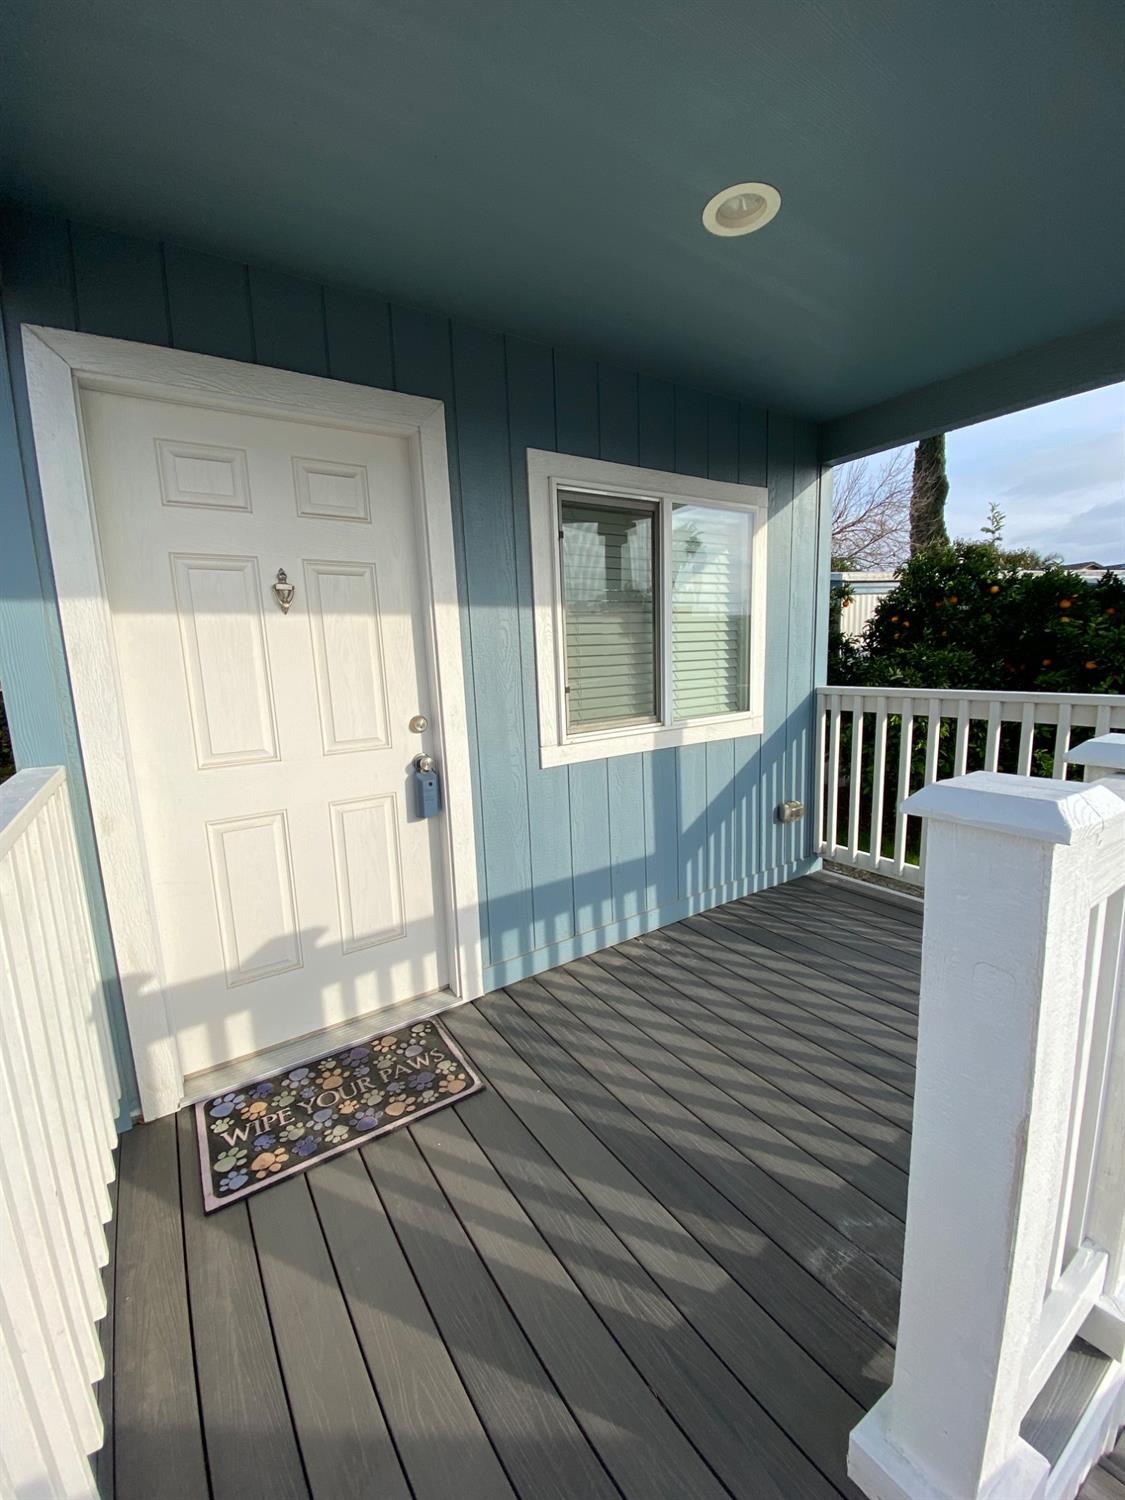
<point x="609" y="606"/>
<point x="710" y="611"/>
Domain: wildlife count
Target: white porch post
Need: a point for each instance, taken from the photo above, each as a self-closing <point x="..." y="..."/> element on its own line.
<point x="1104" y="756"/>
<point x="1012" y="866"/>
<point x="1105" y="1218"/>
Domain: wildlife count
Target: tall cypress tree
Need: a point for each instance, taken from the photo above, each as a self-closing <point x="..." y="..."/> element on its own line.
<point x="928" y="493"/>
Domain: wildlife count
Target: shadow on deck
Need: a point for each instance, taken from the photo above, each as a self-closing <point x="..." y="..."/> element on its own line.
<point x="656" y="1258"/>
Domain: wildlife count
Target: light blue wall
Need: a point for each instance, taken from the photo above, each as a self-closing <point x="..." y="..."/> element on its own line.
<point x="570" y="858"/>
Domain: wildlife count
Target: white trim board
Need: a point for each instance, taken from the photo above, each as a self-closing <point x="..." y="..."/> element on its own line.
<point x="59" y="363"/>
<point x="549" y="472"/>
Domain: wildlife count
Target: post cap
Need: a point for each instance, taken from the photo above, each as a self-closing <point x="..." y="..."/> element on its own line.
<point x="1106" y="752"/>
<point x="1031" y="807"/>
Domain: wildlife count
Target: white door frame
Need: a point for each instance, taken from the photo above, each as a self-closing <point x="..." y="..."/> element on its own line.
<point x="59" y="364"/>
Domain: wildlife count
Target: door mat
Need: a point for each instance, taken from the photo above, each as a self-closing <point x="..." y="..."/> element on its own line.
<point x="288" y="1121"/>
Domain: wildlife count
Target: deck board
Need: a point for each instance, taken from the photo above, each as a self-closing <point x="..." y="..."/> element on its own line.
<point x="664" y="1011"/>
<point x="861" y="985"/>
<point x="1114" y="1463"/>
<point x="869" y="1018"/>
<point x="103" y="1459"/>
<point x="442" y="1443"/>
<point x="839" y="1179"/>
<point x="658" y="1232"/>
<point x="157" y="1432"/>
<point x="540" y="1443"/>
<point x="795" y="1063"/>
<point x="251" y="1452"/>
<point x="777" y="1250"/>
<point x="826" y="919"/>
<point x="1102" y="1484"/>
<point x="873" y="905"/>
<point x="657" y="1256"/>
<point x="715" y="1411"/>
<point x="639" y="1443"/>
<point x="871" y="968"/>
<point x="717" y="975"/>
<point x="337" y="1416"/>
<point x="1049" y="1420"/>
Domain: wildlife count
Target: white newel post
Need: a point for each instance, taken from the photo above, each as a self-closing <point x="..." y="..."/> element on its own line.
<point x="1105" y="1218"/>
<point x="1013" y="866"/>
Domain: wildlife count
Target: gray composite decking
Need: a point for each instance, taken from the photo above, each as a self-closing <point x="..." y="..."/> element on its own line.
<point x="1107" y="1481"/>
<point x="657" y="1258"/>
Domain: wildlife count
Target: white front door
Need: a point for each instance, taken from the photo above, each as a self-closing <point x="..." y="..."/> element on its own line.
<point x="293" y="884"/>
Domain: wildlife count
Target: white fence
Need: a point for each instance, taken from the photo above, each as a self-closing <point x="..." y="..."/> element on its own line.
<point x="1016" y="1211"/>
<point x="867" y="592"/>
<point x="877" y="745"/>
<point x="60" y="1098"/>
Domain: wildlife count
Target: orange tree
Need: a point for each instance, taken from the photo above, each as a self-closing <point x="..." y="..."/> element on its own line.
<point x="967" y="615"/>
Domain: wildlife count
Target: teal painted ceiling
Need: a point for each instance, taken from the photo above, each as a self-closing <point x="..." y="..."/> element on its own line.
<point x="951" y="170"/>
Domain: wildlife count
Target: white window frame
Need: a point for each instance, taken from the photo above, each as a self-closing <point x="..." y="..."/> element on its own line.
<point x="547" y="474"/>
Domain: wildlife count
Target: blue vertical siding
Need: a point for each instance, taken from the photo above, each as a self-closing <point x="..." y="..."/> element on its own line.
<point x="577" y="430"/>
<point x="780" y="576"/>
<point x="209" y="305"/>
<point x="751" y="811"/>
<point x="480" y="388"/>
<point x="531" y="424"/>
<point x="619" y="441"/>
<point x="119" y="286"/>
<point x="569" y="858"/>
<point x="724" y="857"/>
<point x="806" y="596"/>
<point x="691" y="458"/>
<point x="287" y="315"/>
<point x="660" y="769"/>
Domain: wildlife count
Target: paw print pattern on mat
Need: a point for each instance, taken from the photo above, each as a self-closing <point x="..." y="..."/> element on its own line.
<point x="268" y="1128"/>
<point x="267" y="1162"/>
<point x="225" y="1105"/>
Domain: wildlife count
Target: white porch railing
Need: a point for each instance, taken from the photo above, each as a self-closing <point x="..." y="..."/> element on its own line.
<point x="877" y="745"/>
<point x="59" y="1102"/>
<point x="1015" y="1232"/>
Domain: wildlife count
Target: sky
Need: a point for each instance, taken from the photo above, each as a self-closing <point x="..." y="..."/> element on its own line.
<point x="1057" y="471"/>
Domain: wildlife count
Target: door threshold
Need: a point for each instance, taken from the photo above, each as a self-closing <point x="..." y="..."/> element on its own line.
<point x="242" y="1070"/>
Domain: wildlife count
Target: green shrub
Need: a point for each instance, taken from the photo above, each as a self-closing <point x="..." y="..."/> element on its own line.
<point x="967" y="615"/>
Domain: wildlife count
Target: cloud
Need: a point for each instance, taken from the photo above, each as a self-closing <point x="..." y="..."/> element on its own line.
<point x="1068" y="467"/>
<point x="1093" y="535"/>
<point x="1057" y="471"/>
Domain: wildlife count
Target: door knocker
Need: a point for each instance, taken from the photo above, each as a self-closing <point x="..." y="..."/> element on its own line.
<point x="284" y="591"/>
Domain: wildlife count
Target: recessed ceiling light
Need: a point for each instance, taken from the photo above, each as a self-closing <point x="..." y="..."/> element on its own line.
<point x="741" y="209"/>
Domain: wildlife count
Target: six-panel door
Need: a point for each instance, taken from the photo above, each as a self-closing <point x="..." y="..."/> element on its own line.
<point x="292" y="883"/>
